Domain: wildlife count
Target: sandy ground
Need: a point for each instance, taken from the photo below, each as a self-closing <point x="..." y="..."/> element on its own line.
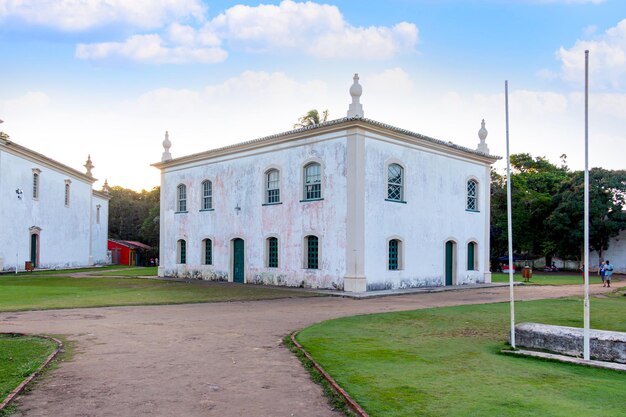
<point x="220" y="359"/>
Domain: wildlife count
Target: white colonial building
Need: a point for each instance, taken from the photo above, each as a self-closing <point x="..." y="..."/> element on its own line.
<point x="616" y="254"/>
<point x="350" y="204"/>
<point x="49" y="214"/>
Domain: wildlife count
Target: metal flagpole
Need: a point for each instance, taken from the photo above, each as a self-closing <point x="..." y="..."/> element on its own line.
<point x="586" y="254"/>
<point x="508" y="213"/>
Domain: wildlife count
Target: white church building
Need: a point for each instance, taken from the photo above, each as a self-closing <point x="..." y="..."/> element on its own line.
<point x="49" y="214"/>
<point x="351" y="204"/>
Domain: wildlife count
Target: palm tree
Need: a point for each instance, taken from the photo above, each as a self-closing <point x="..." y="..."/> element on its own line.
<point x="312" y="117"/>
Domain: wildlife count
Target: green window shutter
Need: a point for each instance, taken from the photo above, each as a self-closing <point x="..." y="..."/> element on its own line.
<point x="312" y="252"/>
<point x="183" y="252"/>
<point x="272" y="255"/>
<point x="470" y="256"/>
<point x="393" y="255"/>
<point x="208" y="252"/>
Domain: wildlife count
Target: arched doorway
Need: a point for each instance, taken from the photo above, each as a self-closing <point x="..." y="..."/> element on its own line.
<point x="238" y="261"/>
<point x="34" y="250"/>
<point x="450" y="265"/>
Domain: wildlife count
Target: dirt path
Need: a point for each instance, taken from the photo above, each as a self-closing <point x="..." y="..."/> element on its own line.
<point x="221" y="359"/>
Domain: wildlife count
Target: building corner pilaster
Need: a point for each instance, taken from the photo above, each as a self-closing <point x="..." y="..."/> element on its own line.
<point x="355" y="279"/>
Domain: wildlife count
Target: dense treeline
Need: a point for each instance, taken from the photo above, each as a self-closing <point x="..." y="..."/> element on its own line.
<point x="548" y="207"/>
<point x="134" y="215"/>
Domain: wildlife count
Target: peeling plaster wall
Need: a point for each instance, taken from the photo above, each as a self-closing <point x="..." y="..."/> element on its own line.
<point x="65" y="231"/>
<point x="435" y="195"/>
<point x="238" y="181"/>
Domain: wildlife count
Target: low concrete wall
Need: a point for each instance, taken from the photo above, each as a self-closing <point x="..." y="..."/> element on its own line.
<point x="604" y="345"/>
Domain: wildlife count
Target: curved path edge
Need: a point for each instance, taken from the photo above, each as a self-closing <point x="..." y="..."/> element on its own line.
<point x="22" y="386"/>
<point x="340" y="391"/>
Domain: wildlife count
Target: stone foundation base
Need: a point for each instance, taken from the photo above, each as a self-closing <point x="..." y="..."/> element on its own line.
<point x="604" y="345"/>
<point x="354" y="284"/>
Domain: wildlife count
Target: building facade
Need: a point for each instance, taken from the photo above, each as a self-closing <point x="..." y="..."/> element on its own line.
<point x="616" y="254"/>
<point x="49" y="214"/>
<point x="349" y="204"/>
<point x="128" y="252"/>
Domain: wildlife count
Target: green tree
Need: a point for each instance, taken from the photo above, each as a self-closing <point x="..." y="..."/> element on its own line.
<point x="607" y="202"/>
<point x="312" y="117"/>
<point x="128" y="212"/>
<point x="534" y="185"/>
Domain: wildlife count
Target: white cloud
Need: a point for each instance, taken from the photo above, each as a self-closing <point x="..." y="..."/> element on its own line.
<point x="32" y="100"/>
<point x="255" y="103"/>
<point x="390" y="81"/>
<point x="607" y="59"/>
<point x="308" y="28"/>
<point x="78" y="15"/>
<point x="317" y="29"/>
<point x="185" y="48"/>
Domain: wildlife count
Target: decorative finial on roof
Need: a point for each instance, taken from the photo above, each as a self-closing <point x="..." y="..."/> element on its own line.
<point x="89" y="166"/>
<point x="105" y="187"/>
<point x="482" y="135"/>
<point x="166" y="148"/>
<point x="356" y="108"/>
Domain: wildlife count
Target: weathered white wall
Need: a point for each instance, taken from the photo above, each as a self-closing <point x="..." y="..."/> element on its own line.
<point x="239" y="181"/>
<point x="65" y="231"/>
<point x="616" y="254"/>
<point x="100" y="231"/>
<point x="435" y="212"/>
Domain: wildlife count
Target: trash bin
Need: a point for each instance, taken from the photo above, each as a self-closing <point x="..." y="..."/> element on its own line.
<point x="527" y="273"/>
<point x="28" y="265"/>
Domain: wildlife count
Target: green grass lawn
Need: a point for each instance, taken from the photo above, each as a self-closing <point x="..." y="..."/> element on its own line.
<point x="136" y="271"/>
<point x="20" y="356"/>
<point x="46" y="292"/>
<point x="549" y="278"/>
<point x="446" y="362"/>
<point x="65" y="271"/>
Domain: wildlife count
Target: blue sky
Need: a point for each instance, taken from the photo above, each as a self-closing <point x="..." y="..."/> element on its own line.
<point x="107" y="78"/>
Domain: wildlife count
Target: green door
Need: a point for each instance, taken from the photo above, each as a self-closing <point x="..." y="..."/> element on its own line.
<point x="238" y="275"/>
<point x="449" y="261"/>
<point x="33" y="250"/>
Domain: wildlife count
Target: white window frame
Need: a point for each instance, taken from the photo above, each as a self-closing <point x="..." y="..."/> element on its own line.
<point x="318" y="182"/>
<point x="181" y="200"/>
<point x="269" y="187"/>
<point x="400" y="184"/>
<point x="207" y="195"/>
<point x="472" y="200"/>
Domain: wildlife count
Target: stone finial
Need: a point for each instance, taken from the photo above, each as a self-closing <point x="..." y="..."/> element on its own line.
<point x="166" y="148"/>
<point x="89" y="166"/>
<point x="482" y="135"/>
<point x="105" y="187"/>
<point x="356" y="108"/>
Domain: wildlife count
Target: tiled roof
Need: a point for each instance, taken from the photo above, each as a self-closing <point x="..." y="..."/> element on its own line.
<point x="329" y="123"/>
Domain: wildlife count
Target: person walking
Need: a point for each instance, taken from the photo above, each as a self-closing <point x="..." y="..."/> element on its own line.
<point x="608" y="272"/>
<point x="602" y="272"/>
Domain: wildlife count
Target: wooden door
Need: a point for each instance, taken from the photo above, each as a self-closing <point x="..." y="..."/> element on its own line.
<point x="33" y="250"/>
<point x="238" y="261"/>
<point x="449" y="262"/>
